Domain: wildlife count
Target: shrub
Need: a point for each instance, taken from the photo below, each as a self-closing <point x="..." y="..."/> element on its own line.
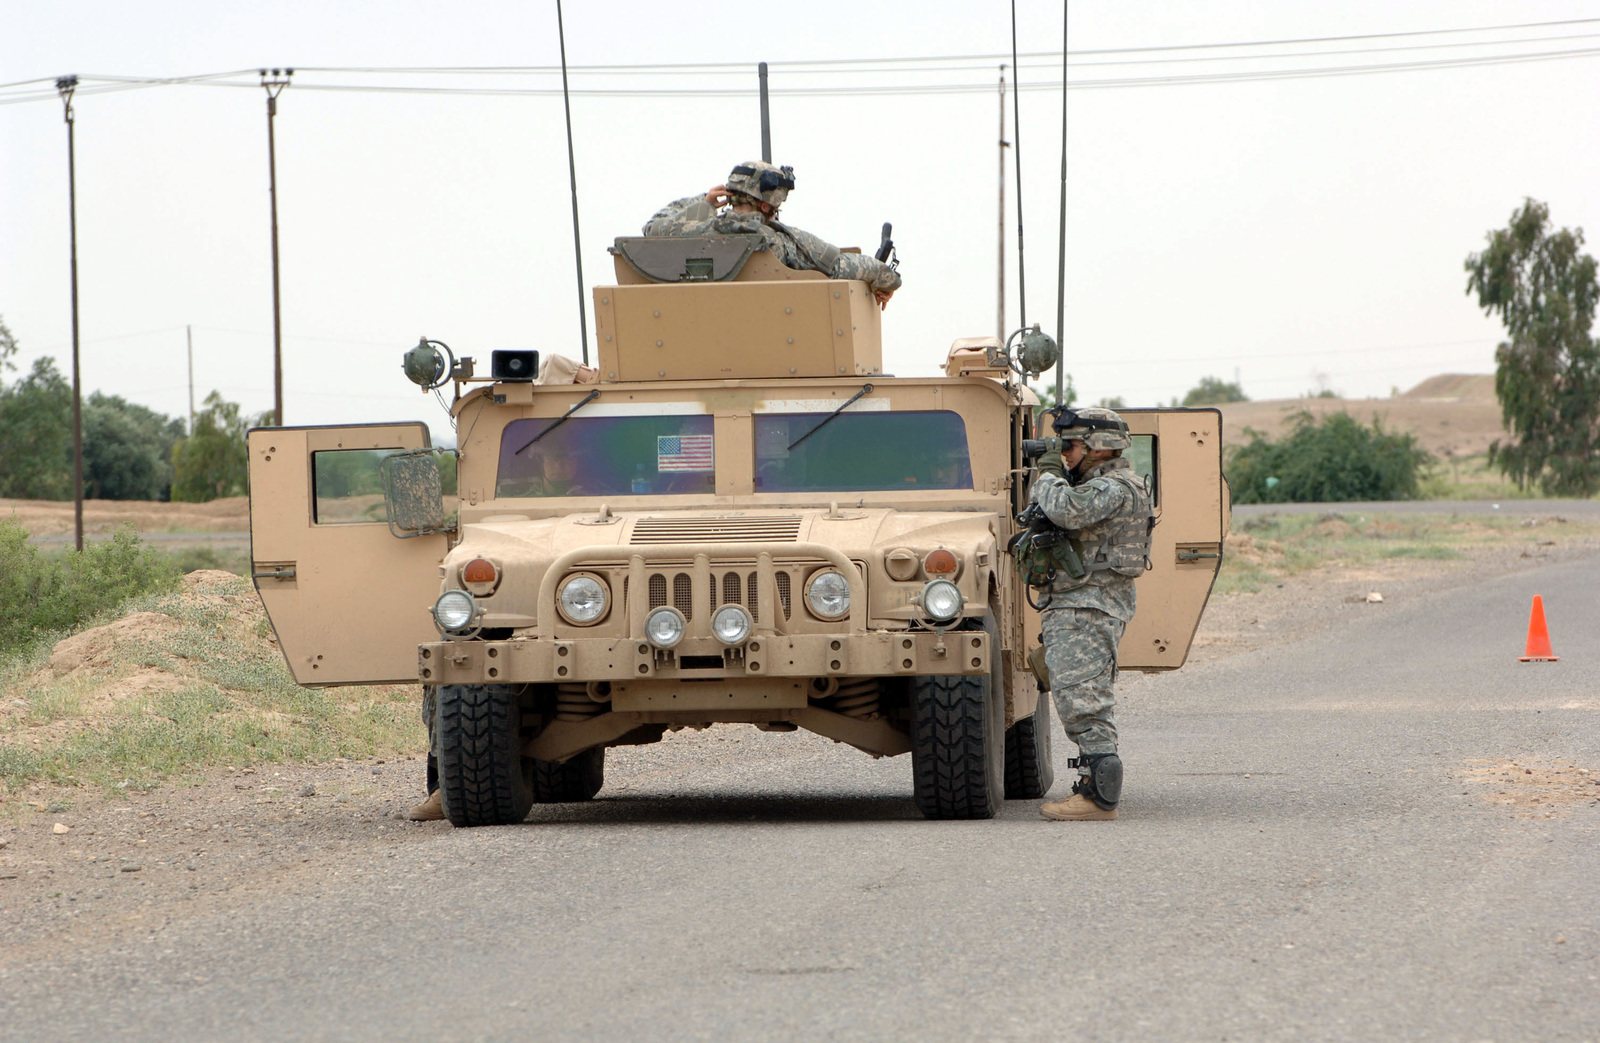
<point x="43" y="593"/>
<point x="1328" y="461"/>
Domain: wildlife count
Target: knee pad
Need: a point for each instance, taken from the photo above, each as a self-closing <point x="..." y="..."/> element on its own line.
<point x="1099" y="778"/>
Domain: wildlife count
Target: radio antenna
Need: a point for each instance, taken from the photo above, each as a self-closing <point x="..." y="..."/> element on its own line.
<point x="572" y="172"/>
<point x="1016" y="155"/>
<point x="1061" y="273"/>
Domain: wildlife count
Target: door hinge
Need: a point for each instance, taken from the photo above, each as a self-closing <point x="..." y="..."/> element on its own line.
<point x="281" y="572"/>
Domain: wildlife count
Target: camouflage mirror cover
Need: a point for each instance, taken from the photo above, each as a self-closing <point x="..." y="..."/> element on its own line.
<point x="413" y="493"/>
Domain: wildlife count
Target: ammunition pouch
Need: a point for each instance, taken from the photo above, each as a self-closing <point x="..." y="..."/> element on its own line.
<point x="1043" y="549"/>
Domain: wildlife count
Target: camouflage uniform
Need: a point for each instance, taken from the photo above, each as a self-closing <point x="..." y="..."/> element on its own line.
<point x="1085" y="617"/>
<point x="794" y="248"/>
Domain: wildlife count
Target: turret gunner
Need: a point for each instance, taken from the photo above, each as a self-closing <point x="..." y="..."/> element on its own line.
<point x="752" y="195"/>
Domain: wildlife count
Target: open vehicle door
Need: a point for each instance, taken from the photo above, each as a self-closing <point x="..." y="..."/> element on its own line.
<point x="1180" y="452"/>
<point x="348" y="599"/>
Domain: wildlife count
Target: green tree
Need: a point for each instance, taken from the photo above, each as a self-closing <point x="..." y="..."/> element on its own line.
<point x="36" y="435"/>
<point x="213" y="462"/>
<point x="1334" y="459"/>
<point x="1114" y="402"/>
<point x="1547" y="374"/>
<point x="1212" y="391"/>
<point x="127" y="450"/>
<point x="8" y="348"/>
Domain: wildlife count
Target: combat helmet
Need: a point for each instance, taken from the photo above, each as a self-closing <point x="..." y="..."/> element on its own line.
<point x="1095" y="426"/>
<point x="764" y="181"/>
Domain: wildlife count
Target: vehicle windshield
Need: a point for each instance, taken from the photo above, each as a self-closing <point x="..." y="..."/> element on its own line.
<point x="607" y="456"/>
<point x="858" y="451"/>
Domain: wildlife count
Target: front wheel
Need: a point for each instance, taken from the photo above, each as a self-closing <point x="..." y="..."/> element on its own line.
<point x="958" y="742"/>
<point x="483" y="777"/>
<point x="1029" y="769"/>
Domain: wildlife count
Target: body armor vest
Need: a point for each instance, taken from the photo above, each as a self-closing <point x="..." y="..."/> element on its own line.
<point x="1120" y="544"/>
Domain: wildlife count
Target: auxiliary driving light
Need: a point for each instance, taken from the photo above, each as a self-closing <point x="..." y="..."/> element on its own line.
<point x="664" y="627"/>
<point x="828" y="594"/>
<point x="731" y="624"/>
<point x="942" y="600"/>
<point x="454" y="611"/>
<point x="583" y="600"/>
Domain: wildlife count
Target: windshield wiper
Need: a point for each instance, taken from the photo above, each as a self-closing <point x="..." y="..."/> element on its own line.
<point x="590" y="397"/>
<point x="866" y="389"/>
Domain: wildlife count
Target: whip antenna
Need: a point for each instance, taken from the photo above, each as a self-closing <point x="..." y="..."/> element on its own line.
<point x="572" y="172"/>
<point x="1016" y="152"/>
<point x="1061" y="274"/>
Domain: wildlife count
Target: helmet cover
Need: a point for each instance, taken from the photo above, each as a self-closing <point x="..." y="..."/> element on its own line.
<point x="768" y="183"/>
<point x="1095" y="426"/>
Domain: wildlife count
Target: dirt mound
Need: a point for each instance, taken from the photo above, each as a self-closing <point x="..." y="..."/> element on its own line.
<point x="96" y="649"/>
<point x="1454" y="387"/>
<point x="1452" y="415"/>
<point x="211" y="580"/>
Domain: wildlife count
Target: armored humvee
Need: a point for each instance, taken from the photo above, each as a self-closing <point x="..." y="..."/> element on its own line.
<point x="741" y="519"/>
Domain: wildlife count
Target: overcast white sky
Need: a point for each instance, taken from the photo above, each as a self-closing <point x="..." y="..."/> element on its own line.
<point x="1296" y="231"/>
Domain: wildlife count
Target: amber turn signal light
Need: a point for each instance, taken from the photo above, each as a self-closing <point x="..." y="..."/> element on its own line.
<point x="479" y="570"/>
<point x="940" y="563"/>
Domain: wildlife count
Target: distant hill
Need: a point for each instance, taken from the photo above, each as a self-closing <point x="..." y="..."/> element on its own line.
<point x="1452" y="415"/>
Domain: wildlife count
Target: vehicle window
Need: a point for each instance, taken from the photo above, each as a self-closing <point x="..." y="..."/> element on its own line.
<point x="347" y="485"/>
<point x="1142" y="455"/>
<point x="607" y="456"/>
<point x="860" y="451"/>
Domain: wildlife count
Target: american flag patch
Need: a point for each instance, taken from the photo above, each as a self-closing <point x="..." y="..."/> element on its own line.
<point x="684" y="453"/>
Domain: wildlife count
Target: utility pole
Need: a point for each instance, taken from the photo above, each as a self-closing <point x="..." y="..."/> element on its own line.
<point x="1000" y="298"/>
<point x="189" y="333"/>
<point x="274" y="85"/>
<point x="66" y="85"/>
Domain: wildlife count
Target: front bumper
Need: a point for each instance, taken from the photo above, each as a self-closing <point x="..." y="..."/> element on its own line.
<point x="877" y="653"/>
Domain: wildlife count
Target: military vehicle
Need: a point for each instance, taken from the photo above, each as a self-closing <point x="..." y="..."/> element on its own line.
<point x="741" y="519"/>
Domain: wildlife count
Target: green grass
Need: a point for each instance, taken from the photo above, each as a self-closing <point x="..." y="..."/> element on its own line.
<point x="232" y="703"/>
<point x="1264" y="549"/>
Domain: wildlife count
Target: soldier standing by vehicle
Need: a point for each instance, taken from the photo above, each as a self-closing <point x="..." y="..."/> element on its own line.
<point x="1089" y="489"/>
<point x="753" y="193"/>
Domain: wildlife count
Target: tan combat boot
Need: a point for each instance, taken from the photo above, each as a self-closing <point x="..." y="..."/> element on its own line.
<point x="1077" y="808"/>
<point x="430" y="810"/>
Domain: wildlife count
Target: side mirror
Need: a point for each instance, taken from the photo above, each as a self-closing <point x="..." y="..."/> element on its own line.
<point x="413" y="492"/>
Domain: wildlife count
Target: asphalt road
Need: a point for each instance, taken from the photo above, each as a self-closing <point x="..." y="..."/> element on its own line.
<point x="1298" y="857"/>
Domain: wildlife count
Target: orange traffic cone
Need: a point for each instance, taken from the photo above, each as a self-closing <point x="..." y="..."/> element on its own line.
<point x="1539" y="650"/>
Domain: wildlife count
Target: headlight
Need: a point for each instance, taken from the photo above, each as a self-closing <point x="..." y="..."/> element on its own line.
<point x="942" y="600"/>
<point x="454" y="610"/>
<point x="664" y="627"/>
<point x="828" y="594"/>
<point x="731" y="625"/>
<point x="583" y="599"/>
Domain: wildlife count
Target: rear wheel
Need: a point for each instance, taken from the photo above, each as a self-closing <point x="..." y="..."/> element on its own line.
<point x="483" y="777"/>
<point x="958" y="742"/>
<point x="578" y="778"/>
<point x="1029" y="770"/>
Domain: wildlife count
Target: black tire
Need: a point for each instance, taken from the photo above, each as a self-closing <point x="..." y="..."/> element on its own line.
<point x="483" y="776"/>
<point x="958" y="745"/>
<point x="569" y="781"/>
<point x="1030" y="771"/>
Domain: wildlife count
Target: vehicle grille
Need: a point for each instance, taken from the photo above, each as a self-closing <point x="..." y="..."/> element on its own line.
<point x="739" y="529"/>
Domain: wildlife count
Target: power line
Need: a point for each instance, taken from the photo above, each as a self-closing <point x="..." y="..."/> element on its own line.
<point x="102" y="84"/>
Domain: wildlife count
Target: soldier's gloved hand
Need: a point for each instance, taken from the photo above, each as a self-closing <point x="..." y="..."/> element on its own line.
<point x="1051" y="463"/>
